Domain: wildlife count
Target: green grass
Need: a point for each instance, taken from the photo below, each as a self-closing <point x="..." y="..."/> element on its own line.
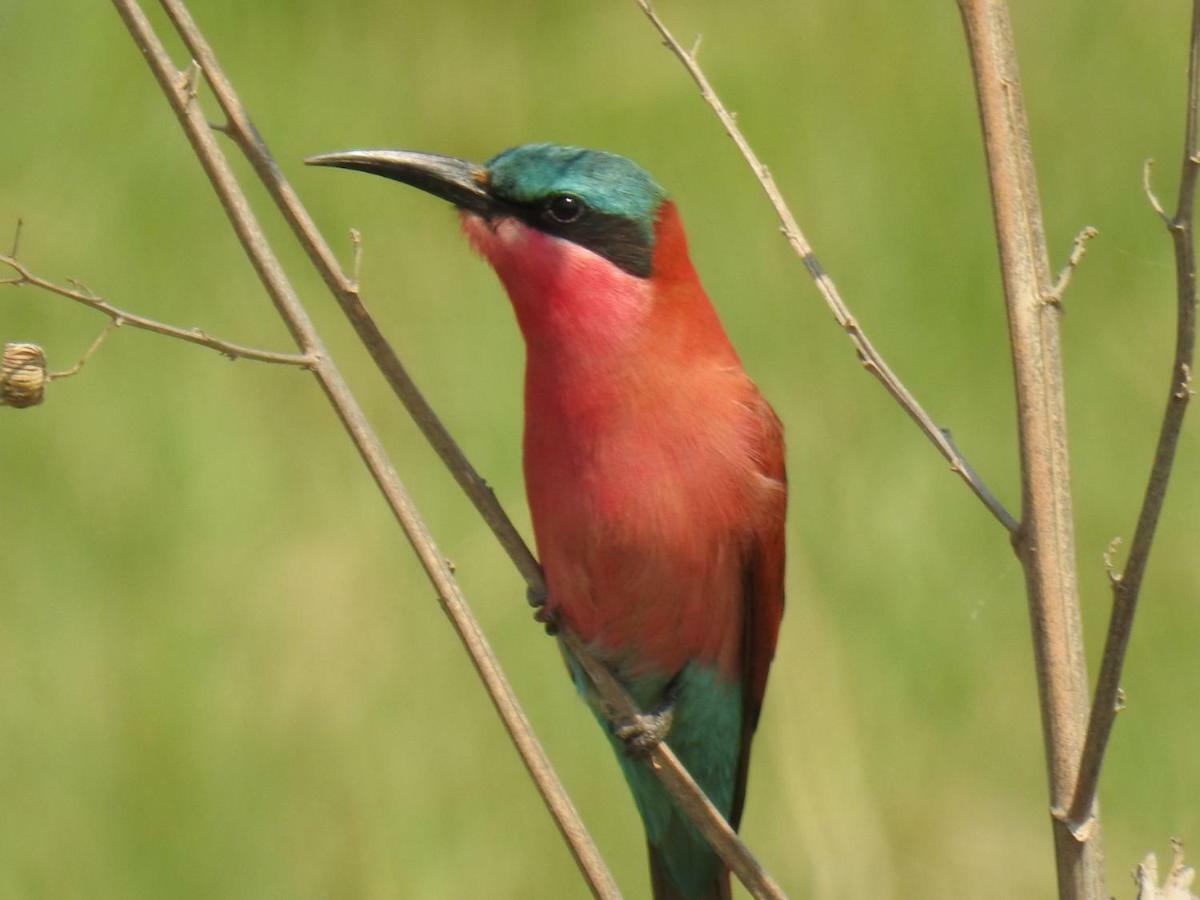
<point x="222" y="673"/>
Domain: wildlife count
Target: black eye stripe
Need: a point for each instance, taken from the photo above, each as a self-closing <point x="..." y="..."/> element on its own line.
<point x="619" y="239"/>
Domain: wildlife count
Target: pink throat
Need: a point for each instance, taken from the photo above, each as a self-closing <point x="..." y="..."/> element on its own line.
<point x="570" y="302"/>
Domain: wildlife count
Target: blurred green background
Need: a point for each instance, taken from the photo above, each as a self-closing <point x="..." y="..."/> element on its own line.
<point x="222" y="673"/>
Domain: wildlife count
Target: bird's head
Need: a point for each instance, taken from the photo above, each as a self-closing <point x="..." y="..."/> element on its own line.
<point x="576" y="235"/>
<point x="599" y="201"/>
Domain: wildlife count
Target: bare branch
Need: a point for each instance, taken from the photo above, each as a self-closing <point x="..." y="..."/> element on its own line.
<point x="871" y="359"/>
<point x="1127" y="588"/>
<point x="1064" y="277"/>
<point x="1045" y="542"/>
<point x="288" y="305"/>
<point x="81" y="294"/>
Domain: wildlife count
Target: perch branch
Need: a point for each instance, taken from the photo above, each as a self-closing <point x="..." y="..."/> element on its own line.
<point x="80" y="294"/>
<point x="619" y="707"/>
<point x="870" y="358"/>
<point x="1045" y="541"/>
<point x="345" y="290"/>
<point x="1127" y="586"/>
<point x="180" y="94"/>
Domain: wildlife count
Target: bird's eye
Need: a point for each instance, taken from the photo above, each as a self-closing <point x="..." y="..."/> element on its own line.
<point x="565" y="208"/>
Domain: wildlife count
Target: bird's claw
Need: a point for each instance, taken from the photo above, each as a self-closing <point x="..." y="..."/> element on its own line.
<point x="645" y="731"/>
<point x="548" y="618"/>
<point x="541" y="611"/>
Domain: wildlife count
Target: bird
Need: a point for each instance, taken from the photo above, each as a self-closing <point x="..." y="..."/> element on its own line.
<point x="654" y="467"/>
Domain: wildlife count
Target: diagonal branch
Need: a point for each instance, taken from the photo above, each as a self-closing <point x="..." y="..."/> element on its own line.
<point x="870" y="358"/>
<point x="81" y="294"/>
<point x="346" y="291"/>
<point x="1128" y="585"/>
<point x="619" y="705"/>
<point x="179" y="89"/>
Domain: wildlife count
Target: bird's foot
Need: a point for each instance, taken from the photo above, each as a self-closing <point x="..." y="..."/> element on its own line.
<point x="541" y="611"/>
<point x="642" y="733"/>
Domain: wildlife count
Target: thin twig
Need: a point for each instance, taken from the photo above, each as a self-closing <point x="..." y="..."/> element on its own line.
<point x="345" y="289"/>
<point x="1078" y="248"/>
<point x="192" y="120"/>
<point x="1127" y="587"/>
<point x="870" y="358"/>
<point x="1151" y="197"/>
<point x="80" y="294"/>
<point x="1045" y="542"/>
<point x="113" y="325"/>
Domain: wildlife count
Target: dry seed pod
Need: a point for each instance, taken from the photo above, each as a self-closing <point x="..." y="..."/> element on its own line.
<point x="23" y="375"/>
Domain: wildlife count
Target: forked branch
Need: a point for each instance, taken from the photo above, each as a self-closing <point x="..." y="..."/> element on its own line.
<point x="81" y="294"/>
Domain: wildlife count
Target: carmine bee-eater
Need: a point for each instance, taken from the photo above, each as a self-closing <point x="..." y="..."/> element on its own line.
<point x="654" y="467"/>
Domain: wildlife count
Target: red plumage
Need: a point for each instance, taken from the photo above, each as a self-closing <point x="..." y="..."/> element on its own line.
<point x="653" y="465"/>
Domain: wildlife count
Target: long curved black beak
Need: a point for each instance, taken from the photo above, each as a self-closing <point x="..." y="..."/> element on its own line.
<point x="465" y="184"/>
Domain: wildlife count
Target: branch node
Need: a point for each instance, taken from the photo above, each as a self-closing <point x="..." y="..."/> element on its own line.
<point x="189" y="80"/>
<point x="1082" y="831"/>
<point x="356" y="240"/>
<point x="1110" y="567"/>
<point x="1185" y="390"/>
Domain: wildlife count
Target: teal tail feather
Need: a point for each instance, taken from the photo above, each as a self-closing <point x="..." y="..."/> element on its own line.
<point x="664" y="888"/>
<point x="706" y="735"/>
